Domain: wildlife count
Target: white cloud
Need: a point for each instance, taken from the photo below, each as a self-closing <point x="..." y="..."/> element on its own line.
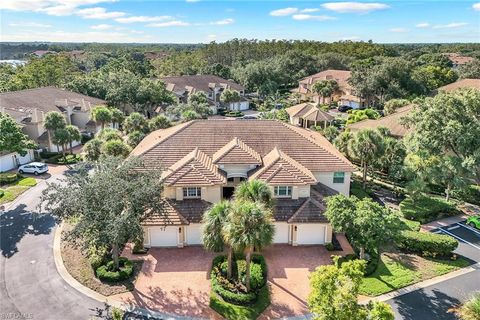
<point x="60" y="10"/>
<point x="30" y="25"/>
<point x="174" y="23"/>
<point x="133" y="19"/>
<point x="51" y="7"/>
<point x="98" y="13"/>
<point x="354" y="7"/>
<point x="223" y="22"/>
<point x="101" y="27"/>
<point x="63" y="36"/>
<point x="283" y="12"/>
<point x="191" y="1"/>
<point x="423" y="25"/>
<point x="309" y="10"/>
<point x="476" y="6"/>
<point x="398" y="30"/>
<point x="303" y="17"/>
<point x="450" y="25"/>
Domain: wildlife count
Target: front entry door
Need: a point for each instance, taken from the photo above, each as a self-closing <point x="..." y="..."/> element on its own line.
<point x="228" y="192"/>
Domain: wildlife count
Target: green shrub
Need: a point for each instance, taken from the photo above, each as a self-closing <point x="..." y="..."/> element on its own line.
<point x="1" y="193"/>
<point x="235" y="312"/>
<point x="218" y="283"/>
<point x="426" y="209"/>
<point x="257" y="279"/>
<point x="372" y="264"/>
<point x="109" y="274"/>
<point x="27" y="182"/>
<point x="411" y="225"/>
<point x="234" y="114"/>
<point x="470" y="195"/>
<point x="8" y="177"/>
<point x="58" y="159"/>
<point x="425" y="243"/>
<point x="47" y="154"/>
<point x="329" y="246"/>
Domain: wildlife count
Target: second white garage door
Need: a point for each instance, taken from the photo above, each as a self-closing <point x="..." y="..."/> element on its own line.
<point x="194" y="234"/>
<point x="311" y="233"/>
<point x="281" y="232"/>
<point x="163" y="237"/>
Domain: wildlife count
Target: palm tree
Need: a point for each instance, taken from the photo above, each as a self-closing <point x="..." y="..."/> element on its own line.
<point x="102" y="114"/>
<point x="255" y="191"/>
<point x="53" y="121"/>
<point x="214" y="220"/>
<point x="250" y="225"/>
<point x="325" y="88"/>
<point x="73" y="135"/>
<point x="367" y="146"/>
<point x="62" y="137"/>
<point x="230" y="96"/>
<point x="117" y="116"/>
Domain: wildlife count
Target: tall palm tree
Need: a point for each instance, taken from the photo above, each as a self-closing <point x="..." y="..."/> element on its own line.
<point x="53" y="121"/>
<point x="213" y="235"/>
<point x="102" y="114"/>
<point x="250" y="225"/>
<point x="367" y="146"/>
<point x="73" y="135"/>
<point x="62" y="137"/>
<point x="325" y="88"/>
<point x="255" y="191"/>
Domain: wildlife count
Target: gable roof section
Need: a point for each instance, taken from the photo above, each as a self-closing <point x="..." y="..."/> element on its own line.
<point x="195" y="169"/>
<point x="237" y="152"/>
<point x="315" y="114"/>
<point x="298" y="109"/>
<point x="204" y="83"/>
<point x="341" y="76"/>
<point x="392" y="122"/>
<point x="463" y="83"/>
<point x="178" y="213"/>
<point x="280" y="169"/>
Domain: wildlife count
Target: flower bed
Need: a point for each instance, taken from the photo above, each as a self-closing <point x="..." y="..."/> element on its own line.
<point x="108" y="273"/>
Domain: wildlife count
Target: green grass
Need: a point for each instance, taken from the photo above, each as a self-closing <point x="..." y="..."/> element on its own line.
<point x="12" y="191"/>
<point x="27" y="182"/>
<point x="427" y="209"/>
<point x="401" y="270"/>
<point x="235" y="312"/>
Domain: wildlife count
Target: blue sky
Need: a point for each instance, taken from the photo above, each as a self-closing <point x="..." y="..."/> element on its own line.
<point x="194" y="21"/>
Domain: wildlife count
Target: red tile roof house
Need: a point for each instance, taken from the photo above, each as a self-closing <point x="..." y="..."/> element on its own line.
<point x="29" y="107"/>
<point x="344" y="95"/>
<point x="212" y="86"/>
<point x="204" y="160"/>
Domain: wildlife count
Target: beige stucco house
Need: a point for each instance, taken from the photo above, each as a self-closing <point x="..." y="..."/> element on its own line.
<point x="204" y="160"/>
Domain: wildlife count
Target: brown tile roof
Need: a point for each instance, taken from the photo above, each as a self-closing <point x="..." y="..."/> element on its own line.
<point x="299" y="109"/>
<point x="341" y="76"/>
<point x="316" y="114"/>
<point x="46" y="99"/>
<point x="458" y="59"/>
<point x="195" y="169"/>
<point x="167" y="146"/>
<point x="237" y="152"/>
<point x="392" y="122"/>
<point x="178" y="213"/>
<point x="17" y="115"/>
<point x="312" y="211"/>
<point x="199" y="83"/>
<point x="280" y="169"/>
<point x="463" y="83"/>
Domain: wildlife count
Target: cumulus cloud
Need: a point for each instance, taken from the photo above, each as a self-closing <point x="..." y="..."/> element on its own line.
<point x="309" y="10"/>
<point x="223" y="22"/>
<point x="398" y="30"/>
<point x="476" y="6"/>
<point x="30" y="25"/>
<point x="98" y="13"/>
<point x="354" y="7"/>
<point x="50" y="7"/>
<point x="284" y="12"/>
<point x="450" y="25"/>
<point x="423" y="25"/>
<point x="173" y="23"/>
<point x="101" y="27"/>
<point x="303" y="17"/>
<point x="134" y="19"/>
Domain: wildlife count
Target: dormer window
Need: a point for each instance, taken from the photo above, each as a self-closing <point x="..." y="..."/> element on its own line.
<point x="282" y="191"/>
<point x="192" y="193"/>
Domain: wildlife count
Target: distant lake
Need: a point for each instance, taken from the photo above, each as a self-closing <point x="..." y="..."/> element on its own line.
<point x="14" y="62"/>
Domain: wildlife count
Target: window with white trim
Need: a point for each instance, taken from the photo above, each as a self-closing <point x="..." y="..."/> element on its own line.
<point x="282" y="191"/>
<point x="192" y="192"/>
<point x="338" y="177"/>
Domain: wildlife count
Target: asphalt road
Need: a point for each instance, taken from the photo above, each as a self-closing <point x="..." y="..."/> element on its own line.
<point x="435" y="301"/>
<point x="30" y="287"/>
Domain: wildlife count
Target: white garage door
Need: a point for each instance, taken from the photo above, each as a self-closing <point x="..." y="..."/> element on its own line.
<point x="281" y="232"/>
<point x="311" y="233"/>
<point x="163" y="237"/>
<point x="194" y="234"/>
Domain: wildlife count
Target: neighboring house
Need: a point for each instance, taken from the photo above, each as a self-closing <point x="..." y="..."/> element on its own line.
<point x="212" y="86"/>
<point x="458" y="60"/>
<point x="392" y="122"/>
<point x="306" y="115"/>
<point x="28" y="107"/>
<point x="9" y="161"/>
<point x="204" y="160"/>
<point x="41" y="53"/>
<point x="344" y="96"/>
<point x="463" y="83"/>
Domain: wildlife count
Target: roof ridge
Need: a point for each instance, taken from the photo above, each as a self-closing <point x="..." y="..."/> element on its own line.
<point x="396" y="113"/>
<point x="299" y="210"/>
<point x="296" y="164"/>
<point x="229" y="146"/>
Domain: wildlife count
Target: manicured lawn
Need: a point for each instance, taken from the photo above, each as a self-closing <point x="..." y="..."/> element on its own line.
<point x="398" y="270"/>
<point x="13" y="190"/>
<point x="234" y="312"/>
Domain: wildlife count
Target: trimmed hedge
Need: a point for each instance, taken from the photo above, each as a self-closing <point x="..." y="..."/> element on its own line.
<point x="426" y="243"/>
<point x="234" y="114"/>
<point x="2" y="192"/>
<point x="109" y="274"/>
<point x="426" y="209"/>
<point x="58" y="159"/>
<point x="8" y="177"/>
<point x="470" y="194"/>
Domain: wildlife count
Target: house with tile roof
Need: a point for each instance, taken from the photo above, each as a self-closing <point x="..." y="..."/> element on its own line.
<point x="344" y="96"/>
<point x="28" y="107"/>
<point x="307" y="114"/>
<point x="458" y="59"/>
<point x="204" y="160"/>
<point x="459" y="84"/>
<point x="211" y="85"/>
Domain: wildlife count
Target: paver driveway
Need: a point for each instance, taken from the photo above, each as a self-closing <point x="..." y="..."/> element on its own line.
<point x="288" y="271"/>
<point x="174" y="281"/>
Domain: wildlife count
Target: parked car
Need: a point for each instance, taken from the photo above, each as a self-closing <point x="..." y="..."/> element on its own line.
<point x="344" y="108"/>
<point x="474" y="221"/>
<point x="33" y="167"/>
<point x="251" y="117"/>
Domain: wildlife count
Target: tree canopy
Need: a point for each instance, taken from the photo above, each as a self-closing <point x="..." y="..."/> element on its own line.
<point x="12" y="138"/>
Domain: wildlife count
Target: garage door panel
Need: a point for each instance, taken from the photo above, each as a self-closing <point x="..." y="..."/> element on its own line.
<point x="281" y="232"/>
<point x="194" y="234"/>
<point x="163" y="237"/>
<point x="311" y="234"/>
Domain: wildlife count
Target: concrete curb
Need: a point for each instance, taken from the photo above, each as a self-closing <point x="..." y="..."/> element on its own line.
<point x="71" y="281"/>
<point x="420" y="285"/>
